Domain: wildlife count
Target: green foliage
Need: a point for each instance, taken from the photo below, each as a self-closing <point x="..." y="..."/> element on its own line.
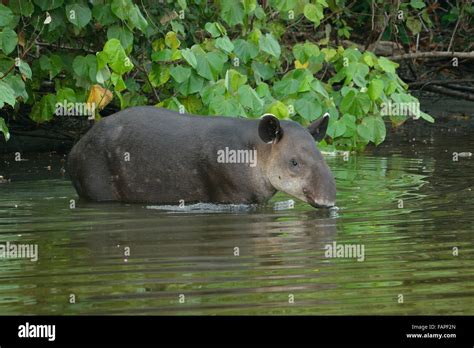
<point x="227" y="57"/>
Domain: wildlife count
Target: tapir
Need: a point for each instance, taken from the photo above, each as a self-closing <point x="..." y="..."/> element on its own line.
<point x="153" y="155"/>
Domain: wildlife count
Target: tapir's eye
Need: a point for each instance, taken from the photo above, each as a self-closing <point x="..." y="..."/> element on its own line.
<point x="293" y="162"/>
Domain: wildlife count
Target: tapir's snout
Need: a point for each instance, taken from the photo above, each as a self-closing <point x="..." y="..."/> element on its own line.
<point x="322" y="204"/>
<point x="323" y="195"/>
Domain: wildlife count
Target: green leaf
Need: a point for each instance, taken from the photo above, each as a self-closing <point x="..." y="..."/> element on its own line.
<point x="56" y="65"/>
<point x="17" y="85"/>
<point x="78" y="14"/>
<point x="193" y="84"/>
<point x="204" y="68"/>
<point x="375" y="89"/>
<point x="66" y="95"/>
<point x="183" y="4"/>
<point x="329" y="54"/>
<point x="225" y="44"/>
<point x="284" y="5"/>
<point x="223" y="106"/>
<point x="118" y="82"/>
<point x="339" y="128"/>
<point x="4" y="128"/>
<point x="390" y="88"/>
<point x="85" y="67"/>
<point x="159" y="75"/>
<point x="25" y="69"/>
<point x="6" y="15"/>
<point x="426" y="117"/>
<point x="250" y="99"/>
<point x="355" y="104"/>
<point x="352" y="54"/>
<point x="122" y="8"/>
<point x="360" y="72"/>
<point x="192" y="104"/>
<point x="269" y="45"/>
<point x="171" y="40"/>
<point x="8" y="40"/>
<point x="343" y="127"/>
<point x="263" y="91"/>
<point x="45" y="109"/>
<point x="22" y="7"/>
<point x="262" y="71"/>
<point x="44" y="63"/>
<point x="211" y="91"/>
<point x="249" y="6"/>
<point x="372" y="128"/>
<point x="233" y="80"/>
<point x="47" y="5"/>
<point x="7" y="95"/>
<point x="308" y="108"/>
<point x="387" y="65"/>
<point x="365" y="133"/>
<point x="260" y="13"/>
<point x="116" y="57"/>
<point x="314" y="13"/>
<point x="351" y="127"/>
<point x="245" y="50"/>
<point x="165" y="55"/>
<point x="232" y="12"/>
<point x="137" y="20"/>
<point x="355" y="71"/>
<point x="369" y="58"/>
<point x="121" y="33"/>
<point x="189" y="57"/>
<point x="286" y="87"/>
<point x="318" y="87"/>
<point x="414" y="25"/>
<point x="417" y="4"/>
<point x="303" y="52"/>
<point x="278" y="109"/>
<point x="215" y="29"/>
<point x="180" y="74"/>
<point x="103" y="14"/>
<point x="102" y="75"/>
<point x="210" y="64"/>
<point x="305" y="79"/>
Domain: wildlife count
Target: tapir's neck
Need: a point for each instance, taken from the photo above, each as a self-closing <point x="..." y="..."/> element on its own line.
<point x="263" y="158"/>
<point x="252" y="179"/>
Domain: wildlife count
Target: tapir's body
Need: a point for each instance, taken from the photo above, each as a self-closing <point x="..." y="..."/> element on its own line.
<point x="153" y="155"/>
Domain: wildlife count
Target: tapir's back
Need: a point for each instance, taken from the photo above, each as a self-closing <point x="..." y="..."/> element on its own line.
<point x="140" y="149"/>
<point x="173" y="128"/>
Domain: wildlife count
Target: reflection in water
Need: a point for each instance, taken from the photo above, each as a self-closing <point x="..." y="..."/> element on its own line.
<point x="409" y="208"/>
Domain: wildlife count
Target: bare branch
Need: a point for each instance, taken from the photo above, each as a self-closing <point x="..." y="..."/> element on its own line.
<point x="434" y="54"/>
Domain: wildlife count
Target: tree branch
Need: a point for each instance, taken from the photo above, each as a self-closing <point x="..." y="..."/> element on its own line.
<point x="434" y="54"/>
<point x="438" y="82"/>
<point x="449" y="92"/>
<point x="64" y="47"/>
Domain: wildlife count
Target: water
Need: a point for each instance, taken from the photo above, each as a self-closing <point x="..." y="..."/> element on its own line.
<point x="191" y="251"/>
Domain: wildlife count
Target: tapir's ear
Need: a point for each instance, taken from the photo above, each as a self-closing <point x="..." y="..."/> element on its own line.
<point x="269" y="128"/>
<point x="319" y="127"/>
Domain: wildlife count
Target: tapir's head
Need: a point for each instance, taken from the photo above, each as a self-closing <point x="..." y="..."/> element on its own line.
<point x="295" y="165"/>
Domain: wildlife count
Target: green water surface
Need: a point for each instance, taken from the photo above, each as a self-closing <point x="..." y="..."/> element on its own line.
<point x="408" y="250"/>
